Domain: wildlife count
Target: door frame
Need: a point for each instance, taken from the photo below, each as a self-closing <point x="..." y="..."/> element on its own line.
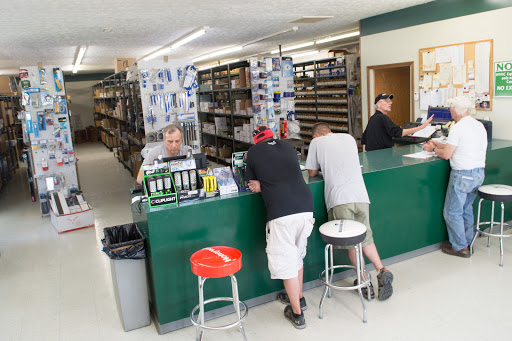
<point x="370" y="84"/>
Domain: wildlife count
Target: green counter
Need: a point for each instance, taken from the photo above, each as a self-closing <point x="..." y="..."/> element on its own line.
<point x="406" y="194"/>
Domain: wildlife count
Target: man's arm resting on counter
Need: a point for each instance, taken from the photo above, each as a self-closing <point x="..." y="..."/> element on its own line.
<point x="443" y="150"/>
<point x="312" y="172"/>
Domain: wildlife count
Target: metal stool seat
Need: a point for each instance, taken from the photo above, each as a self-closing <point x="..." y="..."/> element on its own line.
<point x="217" y="262"/>
<point x="343" y="233"/>
<point x="493" y="193"/>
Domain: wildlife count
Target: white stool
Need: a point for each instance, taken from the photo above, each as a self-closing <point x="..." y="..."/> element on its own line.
<point x="343" y="233"/>
<point x="494" y="193"/>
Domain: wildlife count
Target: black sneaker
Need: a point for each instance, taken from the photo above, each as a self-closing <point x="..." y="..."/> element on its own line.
<point x="364" y="290"/>
<point x="284" y="299"/>
<point x="298" y="321"/>
<point x="385" y="278"/>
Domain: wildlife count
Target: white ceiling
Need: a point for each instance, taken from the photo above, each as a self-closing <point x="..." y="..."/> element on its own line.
<point x="50" y="30"/>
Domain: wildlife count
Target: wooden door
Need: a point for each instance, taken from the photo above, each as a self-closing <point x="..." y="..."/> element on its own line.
<point x="393" y="79"/>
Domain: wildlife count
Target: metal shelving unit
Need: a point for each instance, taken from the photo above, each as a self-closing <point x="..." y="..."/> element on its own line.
<point x="224" y="98"/>
<point x="322" y="95"/>
<point x="129" y="130"/>
<point x="9" y="161"/>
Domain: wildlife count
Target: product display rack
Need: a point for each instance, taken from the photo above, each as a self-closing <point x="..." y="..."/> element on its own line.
<point x="11" y="139"/>
<point x="219" y="89"/>
<point x="322" y="95"/>
<point x="118" y="117"/>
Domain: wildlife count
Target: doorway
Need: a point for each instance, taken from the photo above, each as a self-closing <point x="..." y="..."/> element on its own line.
<point x="393" y="79"/>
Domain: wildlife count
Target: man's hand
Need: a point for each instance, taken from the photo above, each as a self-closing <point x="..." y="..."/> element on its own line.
<point x="429" y="146"/>
<point x="427" y="122"/>
<point x="254" y="186"/>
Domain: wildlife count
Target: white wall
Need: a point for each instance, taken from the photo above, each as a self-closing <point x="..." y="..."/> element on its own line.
<point x="82" y="103"/>
<point x="403" y="45"/>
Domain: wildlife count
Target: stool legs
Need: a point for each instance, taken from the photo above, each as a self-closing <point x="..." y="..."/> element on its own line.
<point x="236" y="302"/>
<point x="491" y="225"/>
<point x="359" y="273"/>
<point x="200" y="318"/>
<point x="329" y="272"/>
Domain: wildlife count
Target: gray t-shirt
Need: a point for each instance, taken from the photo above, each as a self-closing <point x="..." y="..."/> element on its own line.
<point x="337" y="157"/>
<point x="160" y="150"/>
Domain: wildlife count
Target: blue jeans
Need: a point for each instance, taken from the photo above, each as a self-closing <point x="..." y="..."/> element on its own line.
<point x="458" y="206"/>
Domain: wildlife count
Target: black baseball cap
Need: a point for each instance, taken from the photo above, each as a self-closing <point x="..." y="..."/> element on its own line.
<point x="383" y="96"/>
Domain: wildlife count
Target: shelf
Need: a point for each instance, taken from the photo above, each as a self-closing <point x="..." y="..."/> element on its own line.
<point x="331" y="84"/>
<point x="330" y="67"/>
<point x="299" y="71"/>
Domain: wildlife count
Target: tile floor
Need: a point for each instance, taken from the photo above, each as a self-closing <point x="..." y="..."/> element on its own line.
<point x="58" y="286"/>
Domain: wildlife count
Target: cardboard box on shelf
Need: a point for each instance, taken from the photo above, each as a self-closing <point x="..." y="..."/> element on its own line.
<point x="5" y="88"/>
<point x="225" y="152"/>
<point x="136" y="160"/>
<point x="121" y="64"/>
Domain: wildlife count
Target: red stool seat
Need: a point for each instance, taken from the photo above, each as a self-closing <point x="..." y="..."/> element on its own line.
<point x="216" y="261"/>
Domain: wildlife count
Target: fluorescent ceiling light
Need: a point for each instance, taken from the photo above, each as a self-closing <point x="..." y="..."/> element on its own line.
<point x="79" y="57"/>
<point x="229" y="61"/>
<point x="225" y="51"/>
<point x="294" y="47"/>
<point x="157" y="53"/>
<point x="302" y="54"/>
<point x="210" y="66"/>
<point x="218" y="53"/>
<point x="293" y="28"/>
<point x="341" y="36"/>
<point x="206" y="67"/>
<point x="196" y="34"/>
<point x="177" y="43"/>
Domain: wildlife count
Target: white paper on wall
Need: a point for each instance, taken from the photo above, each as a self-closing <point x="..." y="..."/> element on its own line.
<point x="445" y="73"/>
<point x="457" y="55"/>
<point x="424" y="99"/>
<point x="427" y="81"/>
<point x="429" y="61"/>
<point x="459" y="74"/>
<point x="482" y="60"/>
<point x="435" y="98"/>
<point x="443" y="55"/>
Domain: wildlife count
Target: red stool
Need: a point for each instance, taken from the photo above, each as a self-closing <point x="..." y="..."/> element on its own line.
<point x="216" y="262"/>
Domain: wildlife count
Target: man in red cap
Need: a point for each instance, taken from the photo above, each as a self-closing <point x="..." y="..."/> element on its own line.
<point x="273" y="169"/>
<point x="380" y="129"/>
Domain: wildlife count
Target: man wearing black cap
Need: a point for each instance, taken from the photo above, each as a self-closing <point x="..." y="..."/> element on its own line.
<point x="273" y="169"/>
<point x="380" y="129"/>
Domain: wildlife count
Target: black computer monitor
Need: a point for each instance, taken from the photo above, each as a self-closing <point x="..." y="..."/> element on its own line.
<point x="442" y="115"/>
<point x="199" y="157"/>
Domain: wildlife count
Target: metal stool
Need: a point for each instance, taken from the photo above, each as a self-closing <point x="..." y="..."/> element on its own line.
<point x="494" y="193"/>
<point x="216" y="262"/>
<point x="344" y="233"/>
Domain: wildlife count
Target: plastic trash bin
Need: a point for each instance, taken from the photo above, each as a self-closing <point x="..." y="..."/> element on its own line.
<point x="124" y="244"/>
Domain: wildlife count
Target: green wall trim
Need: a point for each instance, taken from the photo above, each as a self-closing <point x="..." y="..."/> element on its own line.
<point x="427" y="13"/>
<point x="84" y="77"/>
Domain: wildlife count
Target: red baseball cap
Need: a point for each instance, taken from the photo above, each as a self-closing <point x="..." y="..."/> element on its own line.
<point x="261" y="133"/>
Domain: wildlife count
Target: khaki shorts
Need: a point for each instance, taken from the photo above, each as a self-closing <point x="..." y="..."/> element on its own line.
<point x="287" y="240"/>
<point x="356" y="211"/>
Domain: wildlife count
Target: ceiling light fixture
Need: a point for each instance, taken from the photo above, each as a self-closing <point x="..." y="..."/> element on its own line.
<point x="177" y="43"/>
<point x="80" y="53"/>
<point x="341" y="36"/>
<point x="218" y="53"/>
<point x="302" y="54"/>
<point x="294" y="47"/>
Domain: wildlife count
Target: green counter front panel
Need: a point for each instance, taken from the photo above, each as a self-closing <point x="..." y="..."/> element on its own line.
<point x="407" y="197"/>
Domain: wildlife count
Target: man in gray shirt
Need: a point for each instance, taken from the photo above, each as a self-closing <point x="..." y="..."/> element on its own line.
<point x="171" y="146"/>
<point x="346" y="197"/>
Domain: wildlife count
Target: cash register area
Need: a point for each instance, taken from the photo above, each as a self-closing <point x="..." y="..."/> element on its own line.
<point x="58" y="286"/>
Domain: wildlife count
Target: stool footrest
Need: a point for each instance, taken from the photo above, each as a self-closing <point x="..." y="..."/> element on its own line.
<point x="337" y="287"/>
<point x="219" y="299"/>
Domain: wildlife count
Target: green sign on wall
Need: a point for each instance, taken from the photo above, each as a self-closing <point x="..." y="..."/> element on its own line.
<point x="503" y="79"/>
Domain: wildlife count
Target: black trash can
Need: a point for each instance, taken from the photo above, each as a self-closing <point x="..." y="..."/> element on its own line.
<point x="124" y="244"/>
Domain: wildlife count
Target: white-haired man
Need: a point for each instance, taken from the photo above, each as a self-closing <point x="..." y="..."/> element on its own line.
<point x="380" y="129"/>
<point x="465" y="148"/>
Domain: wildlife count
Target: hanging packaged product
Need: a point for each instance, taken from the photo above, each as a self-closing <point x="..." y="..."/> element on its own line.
<point x="42" y="77"/>
<point x="48" y="116"/>
<point x="59" y="105"/>
<point x="59" y="161"/>
<point x="190" y="77"/>
<point x="44" y="165"/>
<point x="46" y="98"/>
<point x="25" y="84"/>
<point x="40" y="120"/>
<point x="57" y="76"/>
<point x="28" y="121"/>
<point x="25" y="98"/>
<point x="238" y="164"/>
<point x="23" y="73"/>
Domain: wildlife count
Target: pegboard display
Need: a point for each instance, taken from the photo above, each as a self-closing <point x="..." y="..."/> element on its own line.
<point x="168" y="95"/>
<point x="46" y="123"/>
<point x="272" y="90"/>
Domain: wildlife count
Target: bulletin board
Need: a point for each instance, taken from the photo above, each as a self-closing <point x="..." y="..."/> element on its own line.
<point x="463" y="69"/>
